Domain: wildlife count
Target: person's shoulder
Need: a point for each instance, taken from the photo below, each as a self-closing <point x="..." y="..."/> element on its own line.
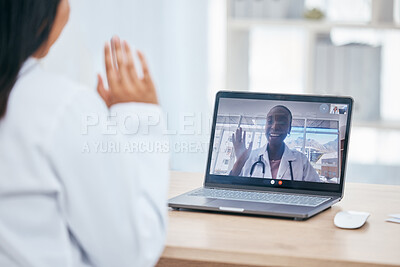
<point x="40" y="99"/>
<point x="42" y="88"/>
<point x="51" y="91"/>
<point x="298" y="154"/>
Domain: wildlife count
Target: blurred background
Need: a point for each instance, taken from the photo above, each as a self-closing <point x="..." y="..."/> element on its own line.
<point x="197" y="47"/>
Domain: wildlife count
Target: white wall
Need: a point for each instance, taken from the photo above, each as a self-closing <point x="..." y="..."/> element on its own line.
<point x="185" y="81"/>
<point x="173" y="35"/>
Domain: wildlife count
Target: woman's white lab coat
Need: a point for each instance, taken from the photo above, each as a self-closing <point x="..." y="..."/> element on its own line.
<point x="73" y="189"/>
<point x="302" y="169"/>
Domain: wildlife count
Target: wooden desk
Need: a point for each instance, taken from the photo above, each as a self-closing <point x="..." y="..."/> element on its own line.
<point x="209" y="239"/>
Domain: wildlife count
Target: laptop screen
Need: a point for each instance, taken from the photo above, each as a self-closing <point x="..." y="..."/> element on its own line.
<point x="283" y="141"/>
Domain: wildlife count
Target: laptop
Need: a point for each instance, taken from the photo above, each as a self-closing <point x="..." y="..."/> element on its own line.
<point x="274" y="154"/>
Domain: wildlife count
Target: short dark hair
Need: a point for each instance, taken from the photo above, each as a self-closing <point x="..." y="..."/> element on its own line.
<point x="25" y="26"/>
<point x="288" y="110"/>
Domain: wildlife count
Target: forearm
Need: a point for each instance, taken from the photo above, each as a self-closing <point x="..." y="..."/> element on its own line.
<point x="237" y="167"/>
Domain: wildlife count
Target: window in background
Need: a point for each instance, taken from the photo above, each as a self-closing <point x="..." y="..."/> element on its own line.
<point x="389" y="40"/>
<point x="216" y="48"/>
<point x="277" y="65"/>
<point x="390" y="93"/>
<point x="375" y="144"/>
<point x="277" y="60"/>
<point x="279" y="54"/>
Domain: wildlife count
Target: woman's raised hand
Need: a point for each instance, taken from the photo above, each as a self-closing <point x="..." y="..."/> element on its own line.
<point x="239" y="144"/>
<point x="241" y="152"/>
<point x="124" y="83"/>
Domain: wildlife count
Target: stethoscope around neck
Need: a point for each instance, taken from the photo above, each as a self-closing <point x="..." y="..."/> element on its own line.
<point x="261" y="162"/>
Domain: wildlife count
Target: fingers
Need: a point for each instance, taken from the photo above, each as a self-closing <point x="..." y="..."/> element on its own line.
<point x="118" y="55"/>
<point x="146" y="71"/>
<point x="117" y="51"/>
<point x="124" y="83"/>
<point x="250" y="146"/>
<point x="130" y="63"/>
<point x="145" y="67"/>
<point x="102" y="91"/>
<point x="110" y="70"/>
<point x="107" y="58"/>
<point x="237" y="135"/>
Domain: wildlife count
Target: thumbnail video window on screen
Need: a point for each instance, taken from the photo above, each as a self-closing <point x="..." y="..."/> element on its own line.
<point x="298" y="141"/>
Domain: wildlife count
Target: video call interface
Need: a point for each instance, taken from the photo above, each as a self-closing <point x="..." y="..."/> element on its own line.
<point x="279" y="140"/>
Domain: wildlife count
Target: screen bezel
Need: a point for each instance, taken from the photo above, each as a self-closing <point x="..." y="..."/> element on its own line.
<point x="239" y="182"/>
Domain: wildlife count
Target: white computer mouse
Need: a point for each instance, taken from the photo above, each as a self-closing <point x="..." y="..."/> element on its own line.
<point x="350" y="219"/>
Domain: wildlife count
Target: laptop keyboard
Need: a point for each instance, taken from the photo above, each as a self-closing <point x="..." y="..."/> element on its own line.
<point x="273" y="198"/>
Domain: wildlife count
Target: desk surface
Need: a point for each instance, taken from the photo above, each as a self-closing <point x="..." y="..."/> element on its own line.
<point x="209" y="239"/>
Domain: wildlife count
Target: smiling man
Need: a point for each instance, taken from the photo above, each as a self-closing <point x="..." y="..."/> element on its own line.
<point x="275" y="160"/>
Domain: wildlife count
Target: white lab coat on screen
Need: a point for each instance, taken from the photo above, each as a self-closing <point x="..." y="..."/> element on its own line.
<point x="62" y="201"/>
<point x="302" y="169"/>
